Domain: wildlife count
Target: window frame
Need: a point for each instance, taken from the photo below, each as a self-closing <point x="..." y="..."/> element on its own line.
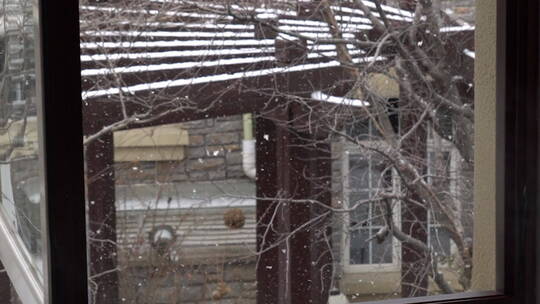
<point x="519" y="52"/>
<point x="349" y="268"/>
<point x="453" y="156"/>
<point x="518" y="40"/>
<point x="66" y="268"/>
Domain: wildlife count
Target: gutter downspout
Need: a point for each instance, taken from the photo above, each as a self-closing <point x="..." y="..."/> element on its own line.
<point x="248" y="147"/>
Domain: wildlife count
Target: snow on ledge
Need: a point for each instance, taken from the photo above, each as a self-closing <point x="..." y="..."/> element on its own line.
<point x="469" y="53"/>
<point x="461" y="28"/>
<point x="183" y="203"/>
<point x="320" y="96"/>
<point x="166" y="84"/>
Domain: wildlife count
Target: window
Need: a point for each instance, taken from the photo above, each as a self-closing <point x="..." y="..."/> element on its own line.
<point x="303" y="98"/>
<point x="290" y="182"/>
<point x="364" y="177"/>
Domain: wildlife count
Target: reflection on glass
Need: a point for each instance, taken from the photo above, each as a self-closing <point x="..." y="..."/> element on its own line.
<point x="20" y="175"/>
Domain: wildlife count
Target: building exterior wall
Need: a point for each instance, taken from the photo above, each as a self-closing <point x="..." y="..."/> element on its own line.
<point x="190" y="272"/>
<point x="209" y="262"/>
<point x="213" y="156"/>
<point x="213" y="153"/>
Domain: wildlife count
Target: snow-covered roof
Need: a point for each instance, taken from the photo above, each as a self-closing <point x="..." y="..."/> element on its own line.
<point x="166" y="36"/>
<point x="194" y="210"/>
<point x="173" y="44"/>
<point x="188" y="195"/>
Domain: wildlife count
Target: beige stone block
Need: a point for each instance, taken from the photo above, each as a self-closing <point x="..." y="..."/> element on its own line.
<point x="383" y="85"/>
<point x="168" y="135"/>
<point x="163" y="143"/>
<point x="135" y="154"/>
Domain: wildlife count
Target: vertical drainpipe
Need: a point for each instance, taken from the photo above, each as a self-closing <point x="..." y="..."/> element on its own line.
<point x="248" y="147"/>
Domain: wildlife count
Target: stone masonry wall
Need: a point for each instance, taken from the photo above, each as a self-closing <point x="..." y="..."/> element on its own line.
<point x="189" y="284"/>
<point x="214" y="153"/>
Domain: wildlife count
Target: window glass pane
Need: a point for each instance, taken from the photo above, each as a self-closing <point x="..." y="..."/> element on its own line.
<point x="378" y="214"/>
<point x="440" y="241"/>
<point x="361" y="216"/>
<point x="21" y="162"/>
<point x="360" y="174"/>
<point x="360" y="247"/>
<point x="382" y="247"/>
<point x="364" y="148"/>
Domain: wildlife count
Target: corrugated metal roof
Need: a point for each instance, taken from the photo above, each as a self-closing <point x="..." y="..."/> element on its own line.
<point x="194" y="210"/>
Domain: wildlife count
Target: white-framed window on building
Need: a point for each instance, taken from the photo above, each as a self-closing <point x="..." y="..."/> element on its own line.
<point x="366" y="245"/>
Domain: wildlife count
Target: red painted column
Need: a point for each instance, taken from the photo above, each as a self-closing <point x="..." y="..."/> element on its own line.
<point x="311" y="261"/>
<point x="102" y="219"/>
<point x="295" y="264"/>
<point x="414" y="218"/>
<point x="270" y="218"/>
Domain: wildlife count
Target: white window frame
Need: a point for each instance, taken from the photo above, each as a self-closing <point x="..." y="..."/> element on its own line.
<point x="436" y="141"/>
<point x="396" y="246"/>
